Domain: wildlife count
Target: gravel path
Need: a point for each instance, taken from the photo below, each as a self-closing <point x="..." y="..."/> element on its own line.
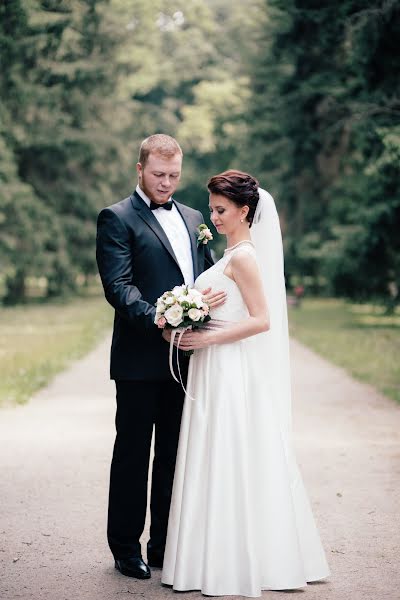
<point x="55" y="454"/>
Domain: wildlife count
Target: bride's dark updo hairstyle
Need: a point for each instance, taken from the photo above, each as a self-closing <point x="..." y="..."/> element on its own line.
<point x="241" y="188"/>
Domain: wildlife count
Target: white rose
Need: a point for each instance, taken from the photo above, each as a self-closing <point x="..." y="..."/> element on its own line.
<point x="178" y="289"/>
<point x="196" y="293"/>
<point x="198" y="301"/>
<point x="169" y="300"/>
<point x="174" y="315"/>
<point x="193" y="296"/>
<point x="194" y="314"/>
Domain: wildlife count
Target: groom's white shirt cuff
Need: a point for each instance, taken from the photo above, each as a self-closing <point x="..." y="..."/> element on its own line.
<point x="175" y="230"/>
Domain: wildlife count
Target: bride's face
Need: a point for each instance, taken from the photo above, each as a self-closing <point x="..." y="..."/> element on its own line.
<point x="225" y="215"/>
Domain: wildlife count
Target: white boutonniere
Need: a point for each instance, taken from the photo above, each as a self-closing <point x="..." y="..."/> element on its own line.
<point x="204" y="234"/>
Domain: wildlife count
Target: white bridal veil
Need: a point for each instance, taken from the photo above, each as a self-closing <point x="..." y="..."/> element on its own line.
<point x="273" y="346"/>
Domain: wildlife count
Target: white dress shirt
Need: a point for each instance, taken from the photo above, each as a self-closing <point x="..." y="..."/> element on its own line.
<point x="177" y="234"/>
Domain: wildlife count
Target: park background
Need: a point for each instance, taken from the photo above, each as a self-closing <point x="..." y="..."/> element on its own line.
<point x="302" y="94"/>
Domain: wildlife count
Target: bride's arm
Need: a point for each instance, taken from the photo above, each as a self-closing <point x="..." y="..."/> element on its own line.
<point x="247" y="277"/>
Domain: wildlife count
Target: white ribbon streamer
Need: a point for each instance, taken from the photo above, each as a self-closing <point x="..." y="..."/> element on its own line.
<point x="180" y="333"/>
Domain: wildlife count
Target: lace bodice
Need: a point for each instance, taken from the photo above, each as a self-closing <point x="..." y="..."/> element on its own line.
<point x="234" y="308"/>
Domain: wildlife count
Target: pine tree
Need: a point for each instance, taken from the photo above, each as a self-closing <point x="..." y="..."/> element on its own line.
<point x="324" y="109"/>
<point x="26" y="223"/>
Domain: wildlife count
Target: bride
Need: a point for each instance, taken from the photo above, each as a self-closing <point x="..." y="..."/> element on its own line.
<point x="240" y="521"/>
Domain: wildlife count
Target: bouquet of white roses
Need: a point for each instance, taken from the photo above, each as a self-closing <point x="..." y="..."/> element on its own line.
<point x="182" y="307"/>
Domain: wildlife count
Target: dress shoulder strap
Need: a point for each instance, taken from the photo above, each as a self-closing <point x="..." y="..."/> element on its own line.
<point x="244" y="246"/>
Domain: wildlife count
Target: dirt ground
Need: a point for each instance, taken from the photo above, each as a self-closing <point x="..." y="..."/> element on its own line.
<point x="54" y="459"/>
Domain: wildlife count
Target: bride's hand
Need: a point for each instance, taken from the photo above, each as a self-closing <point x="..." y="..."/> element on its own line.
<point x="167" y="334"/>
<point x="214" y="299"/>
<point x="193" y="340"/>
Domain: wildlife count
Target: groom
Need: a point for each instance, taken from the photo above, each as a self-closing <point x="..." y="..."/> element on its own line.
<point x="146" y="245"/>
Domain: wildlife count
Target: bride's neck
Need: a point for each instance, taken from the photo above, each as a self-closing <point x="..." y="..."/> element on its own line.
<point x="235" y="238"/>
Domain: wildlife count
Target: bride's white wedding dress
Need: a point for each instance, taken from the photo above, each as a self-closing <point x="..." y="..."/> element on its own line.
<point x="240" y="521"/>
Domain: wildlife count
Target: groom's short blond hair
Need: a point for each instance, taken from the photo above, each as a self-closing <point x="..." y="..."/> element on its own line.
<point x="159" y="143"/>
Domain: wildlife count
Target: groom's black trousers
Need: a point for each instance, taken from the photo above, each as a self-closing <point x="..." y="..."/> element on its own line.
<point x="140" y="405"/>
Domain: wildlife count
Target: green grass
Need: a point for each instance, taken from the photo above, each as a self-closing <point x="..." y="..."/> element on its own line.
<point x="36" y="342"/>
<point x="360" y="338"/>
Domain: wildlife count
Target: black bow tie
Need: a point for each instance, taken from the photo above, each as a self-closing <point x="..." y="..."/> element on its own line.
<point x="166" y="205"/>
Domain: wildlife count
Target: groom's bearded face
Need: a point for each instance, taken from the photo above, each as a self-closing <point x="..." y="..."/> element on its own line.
<point x="160" y="176"/>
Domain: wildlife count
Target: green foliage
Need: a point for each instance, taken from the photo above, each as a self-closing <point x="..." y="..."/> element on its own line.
<point x="82" y="83"/>
<point x="25" y="226"/>
<point x="302" y="95"/>
<point x="56" y="140"/>
<point x="366" y="261"/>
<point x="186" y="74"/>
<point x="326" y="84"/>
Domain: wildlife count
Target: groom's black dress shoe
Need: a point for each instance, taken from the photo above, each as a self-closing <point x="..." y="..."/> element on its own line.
<point x="155" y="560"/>
<point x="133" y="567"/>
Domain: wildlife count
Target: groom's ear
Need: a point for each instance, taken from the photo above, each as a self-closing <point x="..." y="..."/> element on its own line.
<point x="139" y="170"/>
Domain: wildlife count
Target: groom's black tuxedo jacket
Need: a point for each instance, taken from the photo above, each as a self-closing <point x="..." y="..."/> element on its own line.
<point x="137" y="265"/>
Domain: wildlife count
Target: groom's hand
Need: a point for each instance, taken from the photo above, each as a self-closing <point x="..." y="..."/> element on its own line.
<point x="166" y="334"/>
<point x="214" y="299"/>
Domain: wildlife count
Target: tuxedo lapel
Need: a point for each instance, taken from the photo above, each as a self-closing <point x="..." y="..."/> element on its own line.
<point x="191" y="227"/>
<point x="145" y="213"/>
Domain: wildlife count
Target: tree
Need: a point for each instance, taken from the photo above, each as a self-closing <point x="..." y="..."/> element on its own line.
<point x="56" y="86"/>
<point x="25" y="223"/>
<point x="86" y="80"/>
<point x="330" y="112"/>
